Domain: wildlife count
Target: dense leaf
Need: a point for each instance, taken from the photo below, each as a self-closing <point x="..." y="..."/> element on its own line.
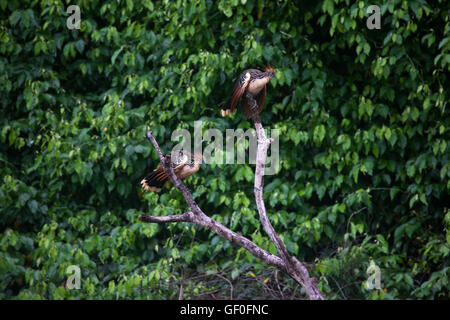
<point x="364" y="146"/>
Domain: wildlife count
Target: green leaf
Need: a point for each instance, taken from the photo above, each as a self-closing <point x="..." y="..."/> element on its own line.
<point x="319" y="134"/>
<point x="115" y="55"/>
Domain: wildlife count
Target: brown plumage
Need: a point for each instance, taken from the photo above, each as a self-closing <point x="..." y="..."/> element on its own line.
<point x="184" y="165"/>
<point x="249" y="86"/>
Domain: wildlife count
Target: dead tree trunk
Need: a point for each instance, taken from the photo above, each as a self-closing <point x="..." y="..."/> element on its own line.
<point x="284" y="261"/>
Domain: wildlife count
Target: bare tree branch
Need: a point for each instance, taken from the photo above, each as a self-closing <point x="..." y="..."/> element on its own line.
<point x="286" y="263"/>
<point x="294" y="267"/>
<point x="180" y="294"/>
<point x="261" y="156"/>
<point x="229" y="282"/>
<point x="185" y="217"/>
<point x="199" y="217"/>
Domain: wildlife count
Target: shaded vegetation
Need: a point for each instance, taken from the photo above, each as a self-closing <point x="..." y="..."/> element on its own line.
<point x="364" y="146"/>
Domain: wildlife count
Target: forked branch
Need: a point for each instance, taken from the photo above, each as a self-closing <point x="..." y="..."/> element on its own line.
<point x="285" y="262"/>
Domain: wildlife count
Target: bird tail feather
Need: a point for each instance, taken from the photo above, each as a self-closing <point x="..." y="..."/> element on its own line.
<point x="154" y="181"/>
<point x="226" y="111"/>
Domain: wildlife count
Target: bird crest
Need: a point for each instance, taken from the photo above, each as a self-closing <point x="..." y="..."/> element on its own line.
<point x="269" y="68"/>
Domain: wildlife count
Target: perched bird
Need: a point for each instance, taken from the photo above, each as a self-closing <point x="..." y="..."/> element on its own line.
<point x="251" y="86"/>
<point x="184" y="165"/>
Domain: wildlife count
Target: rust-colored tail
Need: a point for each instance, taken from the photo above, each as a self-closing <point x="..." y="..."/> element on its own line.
<point x="155" y="180"/>
<point x="226" y="112"/>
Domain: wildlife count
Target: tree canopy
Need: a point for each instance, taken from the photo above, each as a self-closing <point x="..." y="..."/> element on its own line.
<point x="364" y="121"/>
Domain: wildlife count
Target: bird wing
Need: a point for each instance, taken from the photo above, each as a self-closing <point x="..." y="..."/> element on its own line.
<point x="160" y="173"/>
<point x="155" y="180"/>
<point x="239" y="88"/>
<point x="260" y="98"/>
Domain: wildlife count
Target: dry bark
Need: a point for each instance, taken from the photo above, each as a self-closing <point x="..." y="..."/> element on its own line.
<point x="285" y="262"/>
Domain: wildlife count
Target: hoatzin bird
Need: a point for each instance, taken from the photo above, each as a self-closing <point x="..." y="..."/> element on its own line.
<point x="251" y="86"/>
<point x="184" y="165"/>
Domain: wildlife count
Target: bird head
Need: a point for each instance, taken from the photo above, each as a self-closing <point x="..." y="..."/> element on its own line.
<point x="199" y="158"/>
<point x="180" y="156"/>
<point x="270" y="71"/>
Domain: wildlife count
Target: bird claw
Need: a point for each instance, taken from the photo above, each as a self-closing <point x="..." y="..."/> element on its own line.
<point x="253" y="108"/>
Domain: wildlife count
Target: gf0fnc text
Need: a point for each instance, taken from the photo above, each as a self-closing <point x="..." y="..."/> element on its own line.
<point x="246" y="309"/>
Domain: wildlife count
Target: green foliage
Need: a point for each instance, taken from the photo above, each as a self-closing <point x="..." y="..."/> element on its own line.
<point x="364" y="145"/>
